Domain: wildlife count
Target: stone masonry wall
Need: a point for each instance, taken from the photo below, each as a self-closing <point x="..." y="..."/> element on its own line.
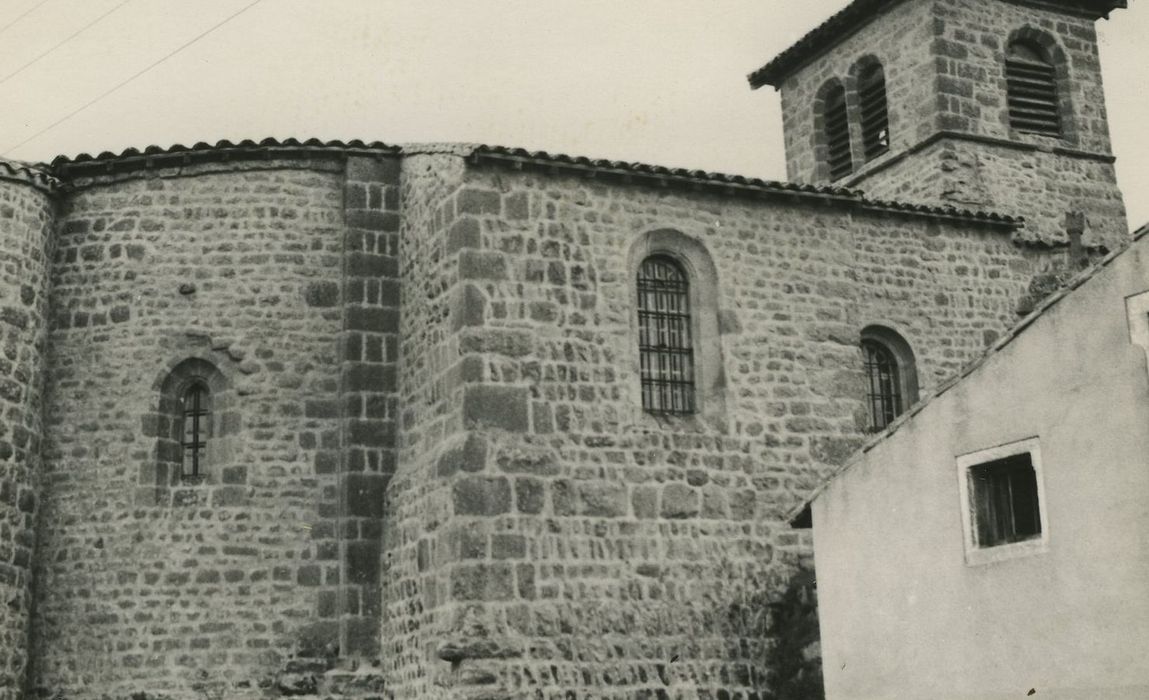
<point x="566" y="544"/>
<point x="900" y="38"/>
<point x="415" y="600"/>
<point x="26" y="227"/>
<point x="944" y="62"/>
<point x="148" y="584"/>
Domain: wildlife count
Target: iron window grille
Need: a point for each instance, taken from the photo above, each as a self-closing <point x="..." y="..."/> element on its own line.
<point x="1031" y="87"/>
<point x="195" y="430"/>
<point x="1004" y="501"/>
<point x="838" y="134"/>
<point x="884" y="393"/>
<point x="665" y="346"/>
<point x="875" y="111"/>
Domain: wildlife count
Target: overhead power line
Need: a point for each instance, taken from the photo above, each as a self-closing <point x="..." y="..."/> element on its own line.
<point x="24" y="14"/>
<point x="134" y="76"/>
<point x="73" y="35"/>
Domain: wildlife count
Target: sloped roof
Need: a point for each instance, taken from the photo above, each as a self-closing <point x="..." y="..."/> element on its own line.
<point x="854" y="16"/>
<point x="719" y="182"/>
<point x="35" y="175"/>
<point x="1042" y="307"/>
<point x="220" y="150"/>
<point x="518" y="158"/>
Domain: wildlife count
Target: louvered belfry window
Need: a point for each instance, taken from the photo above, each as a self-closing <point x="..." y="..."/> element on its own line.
<point x="838" y="134"/>
<point x="875" y="113"/>
<point x="195" y="430"/>
<point x="884" y="384"/>
<point x="665" y="346"/>
<point x="1031" y="83"/>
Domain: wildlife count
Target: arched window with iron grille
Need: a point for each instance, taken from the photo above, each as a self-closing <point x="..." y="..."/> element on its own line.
<point x="837" y="133"/>
<point x="195" y="429"/>
<point x="665" y="344"/>
<point x="875" y="111"/>
<point x="1031" y="85"/>
<point x="883" y="384"/>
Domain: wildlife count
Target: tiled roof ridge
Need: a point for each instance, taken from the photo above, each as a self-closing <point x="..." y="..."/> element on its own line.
<point x="30" y="173"/>
<point x="222" y="147"/>
<point x="733" y="183"/>
<point x="1016" y="330"/>
<point x="519" y="157"/>
<point x="849" y="19"/>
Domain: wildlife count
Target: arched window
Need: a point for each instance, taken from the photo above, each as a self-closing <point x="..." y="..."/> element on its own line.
<point x="837" y="132"/>
<point x="195" y="429"/>
<point x="1031" y="86"/>
<point x="665" y="345"/>
<point x="891" y="375"/>
<point x="875" y="112"/>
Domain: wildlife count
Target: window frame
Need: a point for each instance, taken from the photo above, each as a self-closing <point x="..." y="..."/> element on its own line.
<point x="835" y="99"/>
<point x="975" y="553"/>
<point x="673" y="312"/>
<point x="202" y="417"/>
<point x="907" y="370"/>
<point x="1045" y="62"/>
<point x="865" y="70"/>
<point x="709" y="373"/>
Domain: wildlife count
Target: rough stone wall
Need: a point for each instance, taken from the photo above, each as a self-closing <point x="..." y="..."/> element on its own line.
<point x="1036" y="184"/>
<point x="568" y="544"/>
<point x="944" y="62"/>
<point x="900" y="39"/>
<point x="414" y="589"/>
<point x="191" y="589"/>
<point x="370" y="386"/>
<point x="26" y="226"/>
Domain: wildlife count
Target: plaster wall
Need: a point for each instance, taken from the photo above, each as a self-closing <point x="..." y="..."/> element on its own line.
<point x="903" y="615"/>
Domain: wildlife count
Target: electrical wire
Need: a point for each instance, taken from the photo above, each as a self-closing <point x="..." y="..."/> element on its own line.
<point x="134" y="76"/>
<point x="74" y="34"/>
<point x="24" y="14"/>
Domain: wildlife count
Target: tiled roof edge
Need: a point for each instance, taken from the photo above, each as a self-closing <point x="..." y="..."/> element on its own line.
<point x="1016" y="330"/>
<point x="24" y="173"/>
<point x="852" y="18"/>
<point x="220" y="150"/>
<point x="729" y="184"/>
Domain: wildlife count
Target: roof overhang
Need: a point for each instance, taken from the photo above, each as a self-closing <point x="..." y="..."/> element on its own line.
<point x="859" y="13"/>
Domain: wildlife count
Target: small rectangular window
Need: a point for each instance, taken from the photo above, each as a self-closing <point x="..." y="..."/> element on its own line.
<point x="1003" y="512"/>
<point x="1004" y="499"/>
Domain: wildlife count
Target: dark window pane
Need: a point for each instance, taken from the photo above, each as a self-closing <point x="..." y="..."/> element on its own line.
<point x="1004" y="501"/>
<point x="195" y="431"/>
<point x="837" y="125"/>
<point x="875" y="114"/>
<point x="666" y="349"/>
<point x="884" y="393"/>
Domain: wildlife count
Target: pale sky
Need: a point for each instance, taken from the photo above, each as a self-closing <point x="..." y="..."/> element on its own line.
<point x="658" y="81"/>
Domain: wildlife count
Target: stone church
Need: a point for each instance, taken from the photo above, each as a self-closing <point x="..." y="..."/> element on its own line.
<point x="356" y="420"/>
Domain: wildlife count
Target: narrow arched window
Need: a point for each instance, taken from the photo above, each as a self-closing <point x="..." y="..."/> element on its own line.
<point x="1031" y="85"/>
<point x="195" y="429"/>
<point x="875" y="111"/>
<point x="666" y="349"/>
<point x="837" y="127"/>
<point x="883" y="392"/>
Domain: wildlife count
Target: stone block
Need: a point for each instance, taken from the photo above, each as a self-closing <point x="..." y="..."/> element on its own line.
<point x="373" y="169"/>
<point x="478" y="495"/>
<point x="604" y="499"/>
<point x="476" y="201"/>
<point x="529" y="495"/>
<point x="316" y="294"/>
<point x="475" y="265"/>
<point x="363" y="559"/>
<point x="487" y="582"/>
<point x="365" y="494"/>
<point x="495" y="406"/>
<point x="644" y="500"/>
<point x="469" y="308"/>
<point x="464" y="233"/>
<point x="679" y="501"/>
<point x="516" y="206"/>
<point x="468" y="456"/>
